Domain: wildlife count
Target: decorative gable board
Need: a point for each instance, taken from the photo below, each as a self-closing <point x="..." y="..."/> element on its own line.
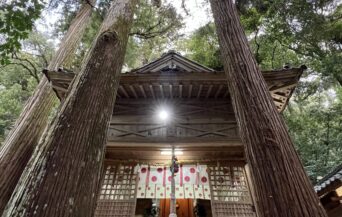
<point x="172" y="62"/>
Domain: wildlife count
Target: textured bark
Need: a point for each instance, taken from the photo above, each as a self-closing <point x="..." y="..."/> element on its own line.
<point x="23" y="138"/>
<point x="62" y="177"/>
<point x="281" y="185"/>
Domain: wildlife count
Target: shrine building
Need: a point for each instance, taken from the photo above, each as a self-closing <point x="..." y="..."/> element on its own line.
<point x="175" y="105"/>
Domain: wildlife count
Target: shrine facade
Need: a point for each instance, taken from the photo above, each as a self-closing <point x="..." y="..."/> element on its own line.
<point x="175" y="104"/>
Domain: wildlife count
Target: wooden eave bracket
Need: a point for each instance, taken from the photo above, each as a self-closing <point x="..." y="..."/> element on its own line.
<point x="60" y="81"/>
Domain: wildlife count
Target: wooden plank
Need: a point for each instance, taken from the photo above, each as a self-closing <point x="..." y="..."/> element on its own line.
<point x="122" y="88"/>
<point x="171" y="95"/>
<point x="152" y="91"/>
<point x="218" y="91"/>
<point x="161" y="91"/>
<point x="226" y="93"/>
<point x="133" y="91"/>
<point x="190" y="91"/>
<point x="209" y="91"/>
<point x="173" y="139"/>
<point x="180" y="90"/>
<point x="142" y="91"/>
<point x="199" y="91"/>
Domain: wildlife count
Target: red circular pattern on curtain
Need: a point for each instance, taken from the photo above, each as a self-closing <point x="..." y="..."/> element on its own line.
<point x="154" y="178"/>
<point x="187" y="178"/>
<point x="143" y="170"/>
<point x="204" y="179"/>
<point x="192" y="170"/>
<point x="160" y="170"/>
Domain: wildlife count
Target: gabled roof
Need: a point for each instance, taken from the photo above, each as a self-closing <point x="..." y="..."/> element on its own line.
<point x="171" y="62"/>
<point x="333" y="179"/>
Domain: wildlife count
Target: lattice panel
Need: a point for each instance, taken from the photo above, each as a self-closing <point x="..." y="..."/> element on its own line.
<point x="229" y="183"/>
<point x="118" y="192"/>
<point x="224" y="209"/>
<point x="230" y="192"/>
<point x="119" y="183"/>
<point x="110" y="208"/>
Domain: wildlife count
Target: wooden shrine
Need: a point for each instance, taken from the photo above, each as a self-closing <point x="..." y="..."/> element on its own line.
<point x="201" y="126"/>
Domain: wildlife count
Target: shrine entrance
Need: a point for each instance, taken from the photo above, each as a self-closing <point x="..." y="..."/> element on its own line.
<point x="201" y="190"/>
<point x="184" y="207"/>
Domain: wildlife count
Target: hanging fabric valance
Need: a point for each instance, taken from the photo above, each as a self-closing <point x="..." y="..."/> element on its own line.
<point x="191" y="181"/>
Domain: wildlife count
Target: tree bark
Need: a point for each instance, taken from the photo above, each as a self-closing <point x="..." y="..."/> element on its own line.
<point x="24" y="137"/>
<point x="62" y="177"/>
<point x="281" y="185"/>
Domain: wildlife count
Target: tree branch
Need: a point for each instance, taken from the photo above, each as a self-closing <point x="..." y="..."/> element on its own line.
<point x="33" y="73"/>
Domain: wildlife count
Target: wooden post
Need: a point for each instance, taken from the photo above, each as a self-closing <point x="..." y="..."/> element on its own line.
<point x="173" y="212"/>
<point x="282" y="188"/>
<point x="63" y="176"/>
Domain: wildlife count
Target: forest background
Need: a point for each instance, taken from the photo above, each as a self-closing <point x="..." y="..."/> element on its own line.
<point x="282" y="33"/>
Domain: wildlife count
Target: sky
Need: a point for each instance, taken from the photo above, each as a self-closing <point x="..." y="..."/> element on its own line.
<point x="199" y="13"/>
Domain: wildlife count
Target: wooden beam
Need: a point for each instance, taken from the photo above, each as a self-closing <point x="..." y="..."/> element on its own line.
<point x="226" y="93"/>
<point x="133" y="91"/>
<point x="161" y="91"/>
<point x="124" y="91"/>
<point x="118" y="95"/>
<point x="152" y="91"/>
<point x="218" y="91"/>
<point x="199" y="91"/>
<point x="279" y="97"/>
<point x="61" y="89"/>
<point x="180" y="90"/>
<point x="190" y="91"/>
<point x="209" y="91"/>
<point x="283" y="87"/>
<point x="187" y="144"/>
<point x="171" y="95"/>
<point x="142" y="91"/>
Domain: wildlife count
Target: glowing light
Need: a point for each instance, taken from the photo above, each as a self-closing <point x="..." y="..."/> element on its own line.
<point x="169" y="152"/>
<point x="164" y="115"/>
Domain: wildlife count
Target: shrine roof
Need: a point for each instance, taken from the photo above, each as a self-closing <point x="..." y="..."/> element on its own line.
<point x="173" y="76"/>
<point x="330" y="182"/>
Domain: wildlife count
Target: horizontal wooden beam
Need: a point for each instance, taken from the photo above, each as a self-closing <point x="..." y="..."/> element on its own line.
<point x="173" y="139"/>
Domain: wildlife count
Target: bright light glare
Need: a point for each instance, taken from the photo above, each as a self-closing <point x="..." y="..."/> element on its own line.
<point x="169" y="152"/>
<point x="163" y="115"/>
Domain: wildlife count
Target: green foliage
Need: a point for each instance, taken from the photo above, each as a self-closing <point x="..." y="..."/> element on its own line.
<point x="202" y="46"/>
<point x="310" y="31"/>
<point x="315" y="125"/>
<point x="19" y="78"/>
<point x="15" y="88"/>
<point x="154" y="28"/>
<point x="16" y="21"/>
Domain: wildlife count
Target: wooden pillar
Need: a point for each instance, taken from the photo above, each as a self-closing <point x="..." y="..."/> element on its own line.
<point x="282" y="188"/>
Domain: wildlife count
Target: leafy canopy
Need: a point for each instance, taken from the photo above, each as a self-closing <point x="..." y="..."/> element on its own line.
<point x="16" y="21"/>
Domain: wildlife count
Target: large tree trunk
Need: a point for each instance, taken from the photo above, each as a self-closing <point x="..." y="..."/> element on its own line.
<point x="62" y="177"/>
<point x="281" y="185"/>
<point x="23" y="138"/>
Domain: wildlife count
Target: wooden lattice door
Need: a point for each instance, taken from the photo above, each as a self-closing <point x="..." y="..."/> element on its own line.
<point x="118" y="192"/>
<point x="230" y="193"/>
